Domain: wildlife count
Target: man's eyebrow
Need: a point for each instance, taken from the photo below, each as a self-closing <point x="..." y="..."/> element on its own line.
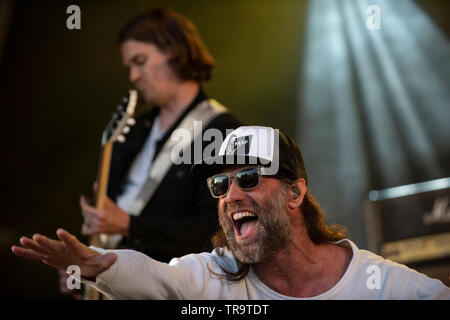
<point x="137" y="56"/>
<point x="134" y="59"/>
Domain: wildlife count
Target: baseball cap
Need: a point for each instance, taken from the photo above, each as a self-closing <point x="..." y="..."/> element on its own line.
<point x="256" y="145"/>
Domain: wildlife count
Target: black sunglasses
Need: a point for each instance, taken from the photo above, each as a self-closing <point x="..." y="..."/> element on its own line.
<point x="246" y="179"/>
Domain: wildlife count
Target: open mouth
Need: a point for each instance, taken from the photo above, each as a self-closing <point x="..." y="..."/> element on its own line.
<point x="244" y="223"/>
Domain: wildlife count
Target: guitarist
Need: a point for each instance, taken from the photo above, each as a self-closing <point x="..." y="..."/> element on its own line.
<point x="168" y="63"/>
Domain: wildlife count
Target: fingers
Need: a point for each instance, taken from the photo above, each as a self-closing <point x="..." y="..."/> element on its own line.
<point x="92" y="217"/>
<point x="91" y="226"/>
<point x="87" y="230"/>
<point x="85" y="206"/>
<point x="88" y="211"/>
<point x="63" y="276"/>
<point x="70" y="240"/>
<point x="27" y="253"/>
<point x="33" y="245"/>
<point x="77" y="295"/>
<point x="83" y="202"/>
<point x="64" y="289"/>
<point x="31" y="249"/>
<point x="52" y="246"/>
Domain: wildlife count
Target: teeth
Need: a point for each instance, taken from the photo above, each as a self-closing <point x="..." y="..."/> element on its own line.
<point x="241" y="215"/>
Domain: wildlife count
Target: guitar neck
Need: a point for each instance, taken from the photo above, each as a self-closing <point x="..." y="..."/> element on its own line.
<point x="113" y="132"/>
<point x="103" y="174"/>
<point x="100" y="197"/>
<point x="98" y="240"/>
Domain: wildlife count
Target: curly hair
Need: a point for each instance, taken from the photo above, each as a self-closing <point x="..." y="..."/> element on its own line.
<point x="174" y="35"/>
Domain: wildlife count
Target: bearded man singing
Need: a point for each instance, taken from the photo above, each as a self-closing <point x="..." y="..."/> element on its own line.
<point x="274" y="242"/>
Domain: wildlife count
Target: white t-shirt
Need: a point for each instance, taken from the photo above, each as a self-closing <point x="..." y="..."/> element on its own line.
<point x="137" y="176"/>
<point x="368" y="276"/>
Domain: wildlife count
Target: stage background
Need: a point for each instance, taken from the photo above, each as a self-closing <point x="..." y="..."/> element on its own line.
<point x="59" y="87"/>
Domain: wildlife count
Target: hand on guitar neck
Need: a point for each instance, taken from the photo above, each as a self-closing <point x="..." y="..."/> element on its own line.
<point x="109" y="219"/>
<point x="106" y="217"/>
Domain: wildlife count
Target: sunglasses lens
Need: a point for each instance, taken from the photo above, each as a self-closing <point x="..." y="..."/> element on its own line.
<point x="219" y="185"/>
<point x="247" y="179"/>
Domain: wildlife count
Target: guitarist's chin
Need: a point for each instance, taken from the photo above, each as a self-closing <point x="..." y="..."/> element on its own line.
<point x="148" y="97"/>
<point x="142" y="99"/>
<point x="145" y="96"/>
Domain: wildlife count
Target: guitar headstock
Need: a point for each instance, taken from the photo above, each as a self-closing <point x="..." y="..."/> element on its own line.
<point x="121" y="120"/>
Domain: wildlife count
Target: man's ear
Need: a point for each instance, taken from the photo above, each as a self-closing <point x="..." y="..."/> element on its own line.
<point x="297" y="193"/>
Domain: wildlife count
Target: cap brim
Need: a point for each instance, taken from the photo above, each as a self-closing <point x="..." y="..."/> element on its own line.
<point x="214" y="165"/>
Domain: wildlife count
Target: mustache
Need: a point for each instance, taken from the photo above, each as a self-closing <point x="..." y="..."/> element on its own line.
<point x="249" y="203"/>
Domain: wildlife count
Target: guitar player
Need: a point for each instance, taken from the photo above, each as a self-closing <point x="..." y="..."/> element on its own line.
<point x="168" y="63"/>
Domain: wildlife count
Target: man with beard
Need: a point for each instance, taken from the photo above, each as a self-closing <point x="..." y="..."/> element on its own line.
<point x="274" y="242"/>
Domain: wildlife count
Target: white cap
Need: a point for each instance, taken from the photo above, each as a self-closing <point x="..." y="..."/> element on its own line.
<point x="247" y="145"/>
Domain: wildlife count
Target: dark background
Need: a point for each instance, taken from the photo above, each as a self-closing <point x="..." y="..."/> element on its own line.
<point x="59" y="87"/>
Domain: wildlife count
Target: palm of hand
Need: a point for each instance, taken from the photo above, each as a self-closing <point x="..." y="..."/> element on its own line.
<point x="61" y="254"/>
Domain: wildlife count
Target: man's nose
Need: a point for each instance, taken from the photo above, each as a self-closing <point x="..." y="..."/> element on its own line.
<point x="235" y="193"/>
<point x="134" y="75"/>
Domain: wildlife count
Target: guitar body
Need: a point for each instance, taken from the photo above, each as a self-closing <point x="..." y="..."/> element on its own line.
<point x="115" y="131"/>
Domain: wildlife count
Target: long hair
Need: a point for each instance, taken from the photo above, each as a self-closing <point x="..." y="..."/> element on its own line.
<point x="319" y="231"/>
<point x="176" y="36"/>
<point x="316" y="226"/>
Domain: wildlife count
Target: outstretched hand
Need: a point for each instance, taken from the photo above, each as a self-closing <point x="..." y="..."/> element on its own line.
<point x="61" y="254"/>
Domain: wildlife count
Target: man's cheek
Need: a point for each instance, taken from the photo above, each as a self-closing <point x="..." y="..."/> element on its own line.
<point x="221" y="206"/>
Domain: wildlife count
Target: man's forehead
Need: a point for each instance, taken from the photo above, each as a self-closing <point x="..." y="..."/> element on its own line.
<point x="132" y="48"/>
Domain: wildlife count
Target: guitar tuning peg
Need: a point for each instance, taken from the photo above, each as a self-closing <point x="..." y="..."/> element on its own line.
<point x="121" y="138"/>
<point x="131" y="121"/>
<point x="125" y="130"/>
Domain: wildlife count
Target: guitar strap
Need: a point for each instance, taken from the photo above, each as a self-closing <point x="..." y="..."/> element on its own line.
<point x="204" y="112"/>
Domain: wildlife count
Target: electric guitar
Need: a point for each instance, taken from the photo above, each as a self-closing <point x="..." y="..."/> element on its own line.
<point x="116" y="130"/>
